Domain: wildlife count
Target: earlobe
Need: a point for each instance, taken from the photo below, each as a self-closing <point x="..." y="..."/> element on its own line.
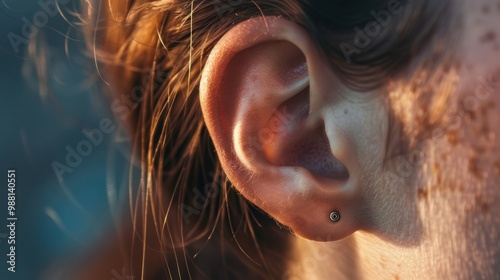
<point x="265" y="94"/>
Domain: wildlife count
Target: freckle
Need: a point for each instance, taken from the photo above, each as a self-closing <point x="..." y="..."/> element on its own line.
<point x="496" y="76"/>
<point x="485" y="207"/>
<point x="452" y="137"/>
<point x="482" y="205"/>
<point x="486" y="9"/>
<point x="436" y="170"/>
<point x="396" y="277"/>
<point x="474" y="168"/>
<point x="497" y="167"/>
<point x="422" y="194"/>
<point x="487" y="37"/>
<point x="345" y="111"/>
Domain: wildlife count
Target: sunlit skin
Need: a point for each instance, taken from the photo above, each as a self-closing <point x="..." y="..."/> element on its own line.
<point x="438" y="220"/>
<point x="412" y="166"/>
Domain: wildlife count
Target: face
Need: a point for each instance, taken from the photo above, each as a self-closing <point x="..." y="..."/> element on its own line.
<point x="411" y="167"/>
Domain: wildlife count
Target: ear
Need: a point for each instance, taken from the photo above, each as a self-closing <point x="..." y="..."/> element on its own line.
<point x="270" y="103"/>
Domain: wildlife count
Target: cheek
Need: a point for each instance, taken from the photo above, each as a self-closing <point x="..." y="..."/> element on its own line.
<point x="480" y="42"/>
<point x="479" y="92"/>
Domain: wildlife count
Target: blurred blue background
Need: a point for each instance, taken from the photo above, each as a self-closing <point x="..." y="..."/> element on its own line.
<point x="56" y="219"/>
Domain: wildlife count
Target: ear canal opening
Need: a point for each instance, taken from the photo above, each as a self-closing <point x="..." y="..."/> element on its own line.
<point x="297" y="145"/>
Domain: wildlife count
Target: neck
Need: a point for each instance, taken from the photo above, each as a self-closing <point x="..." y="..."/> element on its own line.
<point x="457" y="241"/>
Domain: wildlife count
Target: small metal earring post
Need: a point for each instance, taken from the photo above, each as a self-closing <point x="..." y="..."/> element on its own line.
<point x="335" y="216"/>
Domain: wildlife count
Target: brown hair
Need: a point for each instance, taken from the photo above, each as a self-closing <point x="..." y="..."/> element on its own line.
<point x="152" y="53"/>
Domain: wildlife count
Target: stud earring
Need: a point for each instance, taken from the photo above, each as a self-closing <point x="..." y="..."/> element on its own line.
<point x="335" y="216"/>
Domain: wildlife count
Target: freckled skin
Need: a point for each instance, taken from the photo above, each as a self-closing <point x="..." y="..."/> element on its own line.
<point x="488" y="37"/>
<point x="456" y="182"/>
